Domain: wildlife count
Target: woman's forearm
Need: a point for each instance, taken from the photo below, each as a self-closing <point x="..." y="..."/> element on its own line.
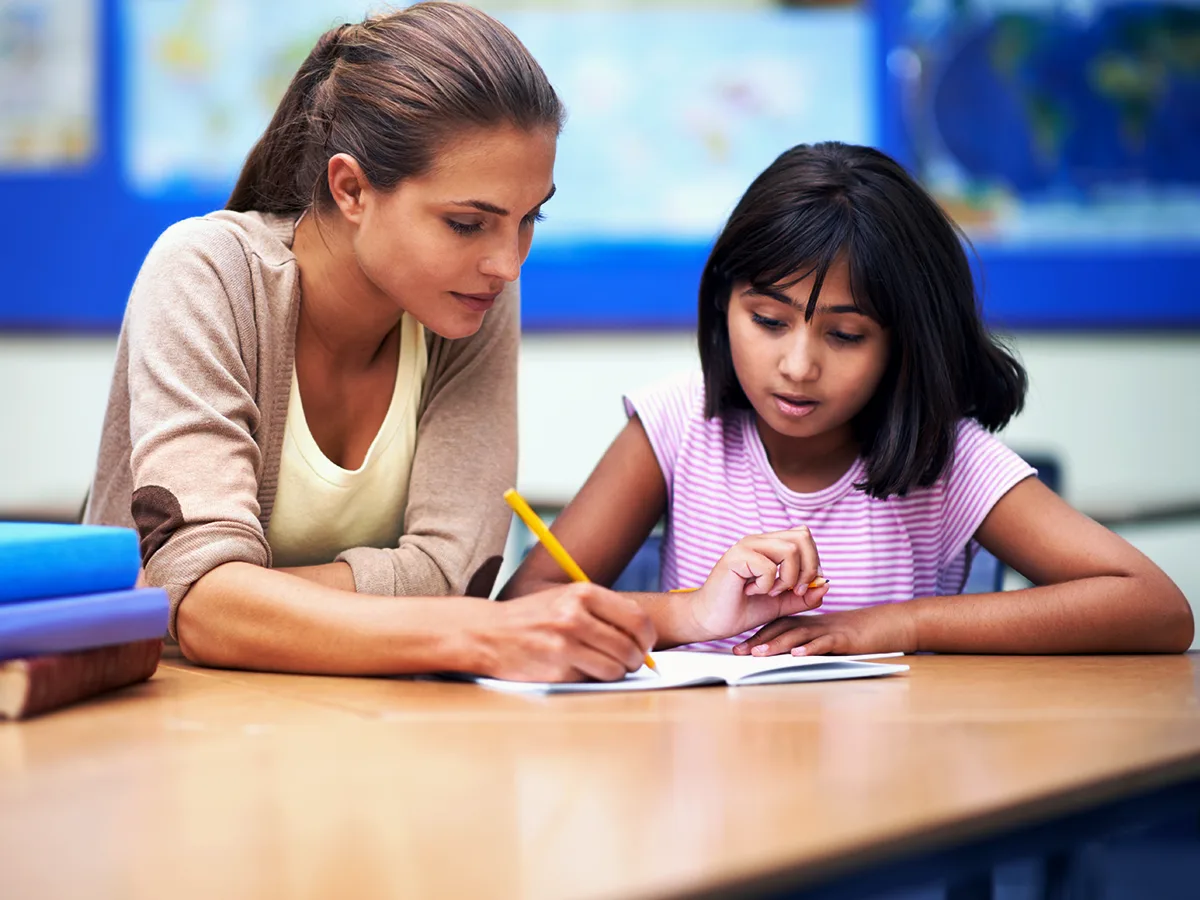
<point x="247" y="617"/>
<point x="1142" y="613"/>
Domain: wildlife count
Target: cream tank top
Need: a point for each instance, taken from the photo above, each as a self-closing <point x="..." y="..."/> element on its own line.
<point x="322" y="509"/>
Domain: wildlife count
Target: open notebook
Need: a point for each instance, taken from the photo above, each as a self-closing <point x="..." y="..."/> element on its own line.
<point x="683" y="668"/>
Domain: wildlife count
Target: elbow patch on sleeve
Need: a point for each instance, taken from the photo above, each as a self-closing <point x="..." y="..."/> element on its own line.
<point x="158" y="515"/>
<point x="484" y="579"/>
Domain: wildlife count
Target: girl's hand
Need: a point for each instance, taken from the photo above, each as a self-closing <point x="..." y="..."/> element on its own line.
<point x="576" y="632"/>
<point x="874" y="629"/>
<point x="759" y="578"/>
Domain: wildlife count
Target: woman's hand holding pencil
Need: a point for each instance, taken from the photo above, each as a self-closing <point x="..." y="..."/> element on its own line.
<point x="624" y="616"/>
<point x="759" y="579"/>
<point x="574" y="632"/>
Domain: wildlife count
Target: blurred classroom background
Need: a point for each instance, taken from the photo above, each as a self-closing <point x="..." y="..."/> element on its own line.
<point x="1063" y="136"/>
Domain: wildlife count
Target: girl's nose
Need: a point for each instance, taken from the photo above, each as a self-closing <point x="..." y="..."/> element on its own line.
<point x="800" y="359"/>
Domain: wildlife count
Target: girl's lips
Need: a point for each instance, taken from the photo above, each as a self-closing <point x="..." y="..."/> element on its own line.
<point x="476" y="302"/>
<point x="792" y="408"/>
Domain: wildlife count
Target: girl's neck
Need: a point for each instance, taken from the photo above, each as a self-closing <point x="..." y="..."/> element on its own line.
<point x="810" y="464"/>
<point x="343" y="317"/>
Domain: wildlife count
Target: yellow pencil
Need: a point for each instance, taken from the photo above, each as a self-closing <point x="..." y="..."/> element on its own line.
<point x="550" y="542"/>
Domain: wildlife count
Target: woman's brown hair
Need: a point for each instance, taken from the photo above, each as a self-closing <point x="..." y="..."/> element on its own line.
<point x="389" y="92"/>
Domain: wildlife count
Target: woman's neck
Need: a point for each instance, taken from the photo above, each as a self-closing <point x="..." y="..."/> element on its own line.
<point x="809" y="464"/>
<point x="343" y="317"/>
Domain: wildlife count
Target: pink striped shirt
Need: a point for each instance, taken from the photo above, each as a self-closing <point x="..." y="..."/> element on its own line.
<point x="720" y="488"/>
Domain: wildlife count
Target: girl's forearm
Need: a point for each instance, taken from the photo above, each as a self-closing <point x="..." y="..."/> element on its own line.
<point x="334" y="575"/>
<point x="1103" y="614"/>
<point x="247" y="617"/>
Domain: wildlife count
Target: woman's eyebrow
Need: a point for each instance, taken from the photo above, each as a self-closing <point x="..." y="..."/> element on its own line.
<point x="484" y="206"/>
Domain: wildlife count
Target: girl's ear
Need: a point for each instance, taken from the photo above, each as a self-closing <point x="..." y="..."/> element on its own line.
<point x="347" y="185"/>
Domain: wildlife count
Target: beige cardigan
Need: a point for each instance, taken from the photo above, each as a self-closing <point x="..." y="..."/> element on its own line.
<point x="189" y="453"/>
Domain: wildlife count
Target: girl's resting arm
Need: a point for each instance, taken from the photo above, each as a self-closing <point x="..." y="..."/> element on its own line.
<point x="1094" y="593"/>
<point x="1097" y="593"/>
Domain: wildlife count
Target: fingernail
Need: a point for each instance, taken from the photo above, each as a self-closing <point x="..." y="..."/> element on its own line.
<point x="799" y="651"/>
<point x="761" y="648"/>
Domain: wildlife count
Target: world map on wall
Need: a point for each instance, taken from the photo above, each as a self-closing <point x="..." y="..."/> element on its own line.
<point x="671" y="113"/>
<point x="1059" y="120"/>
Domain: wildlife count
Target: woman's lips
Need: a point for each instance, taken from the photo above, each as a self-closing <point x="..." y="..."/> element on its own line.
<point x="476" y="302"/>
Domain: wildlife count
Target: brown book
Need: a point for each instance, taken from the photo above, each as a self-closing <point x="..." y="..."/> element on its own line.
<point x="42" y="683"/>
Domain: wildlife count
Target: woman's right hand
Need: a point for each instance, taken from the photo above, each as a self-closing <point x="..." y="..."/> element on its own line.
<point x="759" y="579"/>
<point x="573" y="632"/>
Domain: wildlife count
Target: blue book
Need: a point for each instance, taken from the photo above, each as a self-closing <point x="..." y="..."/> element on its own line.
<point x="77" y="623"/>
<point x="39" y="559"/>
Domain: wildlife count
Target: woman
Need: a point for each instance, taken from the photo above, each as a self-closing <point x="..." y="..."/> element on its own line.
<point x="312" y="417"/>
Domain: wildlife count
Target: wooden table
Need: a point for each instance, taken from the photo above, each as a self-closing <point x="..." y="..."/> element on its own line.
<point x="204" y="783"/>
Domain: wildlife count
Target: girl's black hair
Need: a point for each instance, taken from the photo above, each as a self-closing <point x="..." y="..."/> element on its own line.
<point x="819" y="204"/>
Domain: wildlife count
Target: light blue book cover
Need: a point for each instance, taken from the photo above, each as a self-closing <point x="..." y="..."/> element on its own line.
<point x="40" y="559"/>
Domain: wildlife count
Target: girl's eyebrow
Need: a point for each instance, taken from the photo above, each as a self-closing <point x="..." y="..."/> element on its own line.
<point x="838" y="309"/>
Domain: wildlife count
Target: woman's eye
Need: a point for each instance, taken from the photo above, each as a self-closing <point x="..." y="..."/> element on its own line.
<point x="765" y="322"/>
<point x="536" y="216"/>
<point x="843" y="338"/>
<point x="465" y="227"/>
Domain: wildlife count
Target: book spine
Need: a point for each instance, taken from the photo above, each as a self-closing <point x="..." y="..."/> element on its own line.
<point x="55" y="681"/>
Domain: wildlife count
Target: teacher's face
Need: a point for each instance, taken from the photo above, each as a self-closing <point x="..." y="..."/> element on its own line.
<point x="443" y="245"/>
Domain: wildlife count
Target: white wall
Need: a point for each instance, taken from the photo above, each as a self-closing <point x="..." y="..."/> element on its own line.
<point x="1122" y="413"/>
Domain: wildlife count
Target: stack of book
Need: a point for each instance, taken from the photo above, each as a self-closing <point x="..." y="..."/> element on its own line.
<point x="72" y="621"/>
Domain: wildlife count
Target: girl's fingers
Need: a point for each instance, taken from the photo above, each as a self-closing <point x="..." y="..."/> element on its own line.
<point x="765" y="634"/>
<point x="790" y="603"/>
<point x="789" y="567"/>
<point x="781" y="643"/>
<point x="758" y="571"/>
<point x="818" y="646"/>
<point x="810" y="562"/>
<point x="813" y="597"/>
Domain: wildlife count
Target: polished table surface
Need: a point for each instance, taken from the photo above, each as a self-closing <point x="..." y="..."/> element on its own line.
<point x="206" y="783"/>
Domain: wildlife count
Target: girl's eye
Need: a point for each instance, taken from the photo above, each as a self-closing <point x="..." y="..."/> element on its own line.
<point x="536" y="216"/>
<point x="465" y="227"/>
<point x="842" y="338"/>
<point x="767" y="323"/>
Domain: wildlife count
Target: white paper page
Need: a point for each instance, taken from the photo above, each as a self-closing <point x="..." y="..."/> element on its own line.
<point x="684" y="668"/>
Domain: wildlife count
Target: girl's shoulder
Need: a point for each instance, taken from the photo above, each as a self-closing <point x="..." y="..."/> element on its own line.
<point x="679" y="397"/>
<point x="981" y="455"/>
<point x="672" y="413"/>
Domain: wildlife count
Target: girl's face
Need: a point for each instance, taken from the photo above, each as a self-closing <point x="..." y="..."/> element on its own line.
<point x="442" y="246"/>
<point x="806" y="379"/>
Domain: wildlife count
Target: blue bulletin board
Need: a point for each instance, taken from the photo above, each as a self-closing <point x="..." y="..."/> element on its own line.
<point x="1075" y="174"/>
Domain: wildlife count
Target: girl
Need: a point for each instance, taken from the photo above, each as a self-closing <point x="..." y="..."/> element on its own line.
<point x="848" y="394"/>
<point x="315" y="388"/>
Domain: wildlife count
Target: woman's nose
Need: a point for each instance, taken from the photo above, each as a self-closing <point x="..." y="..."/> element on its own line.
<point x="503" y="261"/>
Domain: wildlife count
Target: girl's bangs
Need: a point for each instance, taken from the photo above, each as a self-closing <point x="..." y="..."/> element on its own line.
<point x="791" y="251"/>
